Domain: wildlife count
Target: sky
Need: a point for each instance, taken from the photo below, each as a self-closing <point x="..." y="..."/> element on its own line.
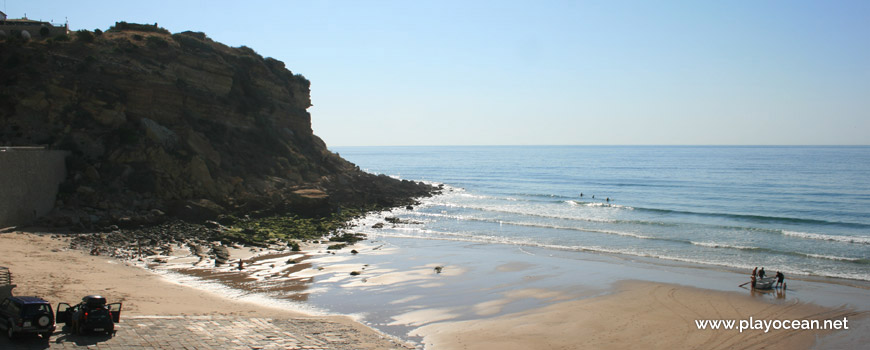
<point x="545" y="72"/>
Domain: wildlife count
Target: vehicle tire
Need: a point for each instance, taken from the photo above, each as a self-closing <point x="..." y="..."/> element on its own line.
<point x="43" y="321"/>
<point x="46" y="335"/>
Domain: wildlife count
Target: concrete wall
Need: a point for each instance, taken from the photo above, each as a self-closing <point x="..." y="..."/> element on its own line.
<point x="29" y="179"/>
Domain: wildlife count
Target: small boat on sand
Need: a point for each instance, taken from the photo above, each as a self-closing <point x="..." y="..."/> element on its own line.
<point x="765" y="283"/>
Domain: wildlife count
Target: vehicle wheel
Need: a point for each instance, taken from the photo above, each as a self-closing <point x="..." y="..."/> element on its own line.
<point x="46" y="335"/>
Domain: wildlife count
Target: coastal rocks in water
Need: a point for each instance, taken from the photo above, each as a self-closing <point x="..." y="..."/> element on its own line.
<point x="378" y="225"/>
<point x="397" y="221"/>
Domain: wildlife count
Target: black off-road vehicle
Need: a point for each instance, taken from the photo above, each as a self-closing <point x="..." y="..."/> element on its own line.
<point x="26" y="315"/>
<point x="91" y="315"/>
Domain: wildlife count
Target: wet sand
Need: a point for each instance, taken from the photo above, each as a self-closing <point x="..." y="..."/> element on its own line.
<point x="460" y="295"/>
<point x="457" y="295"/>
<point x="651" y="315"/>
<point x="45" y="267"/>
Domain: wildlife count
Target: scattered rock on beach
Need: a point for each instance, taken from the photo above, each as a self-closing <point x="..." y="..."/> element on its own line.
<point x="438" y="269"/>
<point x="222" y="255"/>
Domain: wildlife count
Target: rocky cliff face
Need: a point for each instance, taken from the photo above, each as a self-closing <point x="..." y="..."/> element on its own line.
<point x="175" y="124"/>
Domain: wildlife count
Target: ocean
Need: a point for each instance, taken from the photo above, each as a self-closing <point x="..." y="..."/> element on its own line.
<point x="800" y="210"/>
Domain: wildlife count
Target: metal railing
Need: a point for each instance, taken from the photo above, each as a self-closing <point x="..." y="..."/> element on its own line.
<point x="5" y="276"/>
<point x="6" y="285"/>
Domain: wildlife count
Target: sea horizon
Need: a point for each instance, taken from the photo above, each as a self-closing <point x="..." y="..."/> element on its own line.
<point x="613" y="145"/>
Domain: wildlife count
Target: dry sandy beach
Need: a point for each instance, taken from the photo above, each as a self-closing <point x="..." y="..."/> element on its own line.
<point x="46" y="267"/>
<point x="497" y="301"/>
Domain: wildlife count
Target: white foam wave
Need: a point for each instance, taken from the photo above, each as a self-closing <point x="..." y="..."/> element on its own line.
<point x="823" y="237"/>
<point x="831" y="257"/>
<point x="465" y="237"/>
<point x="525" y="224"/>
<point x="723" y="245"/>
<point x="574" y="203"/>
<point x="519" y="211"/>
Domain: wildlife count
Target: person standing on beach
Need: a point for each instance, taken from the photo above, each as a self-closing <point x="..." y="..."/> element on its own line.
<point x="761" y="272"/>
<point x="779" y="278"/>
<point x="755" y="272"/>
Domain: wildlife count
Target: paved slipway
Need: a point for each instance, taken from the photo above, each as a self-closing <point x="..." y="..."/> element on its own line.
<point x="214" y="332"/>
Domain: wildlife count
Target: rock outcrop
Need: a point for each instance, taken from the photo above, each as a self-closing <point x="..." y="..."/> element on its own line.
<point x="178" y="124"/>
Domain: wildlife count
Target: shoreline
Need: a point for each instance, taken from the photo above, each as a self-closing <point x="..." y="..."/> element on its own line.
<point x="42" y="264"/>
<point x="366" y="225"/>
<point x="398" y="291"/>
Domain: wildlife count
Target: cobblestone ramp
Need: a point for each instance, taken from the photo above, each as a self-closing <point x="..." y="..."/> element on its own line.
<point x="193" y="332"/>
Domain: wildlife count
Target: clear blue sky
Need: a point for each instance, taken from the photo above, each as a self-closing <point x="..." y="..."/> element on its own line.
<point x="545" y="72"/>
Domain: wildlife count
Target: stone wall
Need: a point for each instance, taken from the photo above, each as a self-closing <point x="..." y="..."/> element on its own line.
<point x="29" y="180"/>
<point x="15" y="29"/>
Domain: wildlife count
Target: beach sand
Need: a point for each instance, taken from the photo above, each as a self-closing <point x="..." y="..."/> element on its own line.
<point x="639" y="314"/>
<point x="486" y="296"/>
<point x="45" y="267"/>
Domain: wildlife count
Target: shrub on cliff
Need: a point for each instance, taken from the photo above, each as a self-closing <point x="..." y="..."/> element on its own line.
<point x="157" y="41"/>
<point x="85" y="36"/>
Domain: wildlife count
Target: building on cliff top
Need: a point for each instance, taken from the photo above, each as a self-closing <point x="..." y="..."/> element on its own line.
<point x="28" y="28"/>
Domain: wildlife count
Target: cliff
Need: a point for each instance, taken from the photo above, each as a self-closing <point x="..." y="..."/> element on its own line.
<point x="164" y="124"/>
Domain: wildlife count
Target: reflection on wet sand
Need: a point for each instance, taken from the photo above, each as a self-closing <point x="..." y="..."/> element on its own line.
<point x="270" y="273"/>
